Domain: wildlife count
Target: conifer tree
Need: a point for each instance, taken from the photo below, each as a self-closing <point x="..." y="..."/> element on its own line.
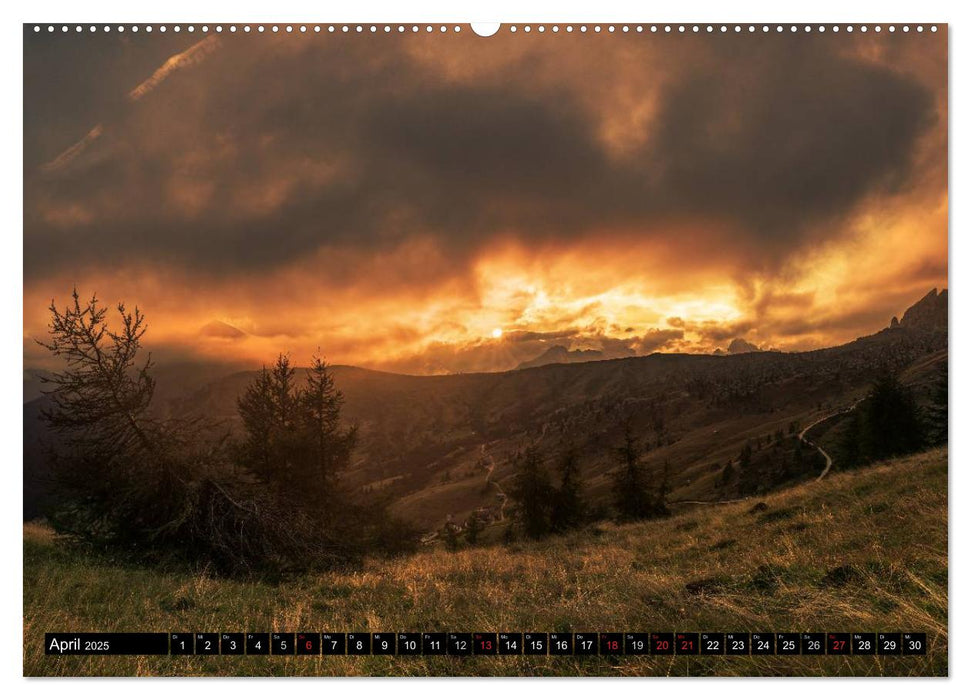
<point x="532" y="491"/>
<point x="129" y="481"/>
<point x="631" y="495"/>
<point x="328" y="444"/>
<point x="937" y="411"/>
<point x="293" y="436"/>
<point x="745" y="456"/>
<point x="887" y="423"/>
<point x="569" y="509"/>
<point x="256" y="408"/>
<point x="891" y="420"/>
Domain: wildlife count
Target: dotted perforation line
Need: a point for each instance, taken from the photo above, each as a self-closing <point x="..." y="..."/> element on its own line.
<point x="513" y="29"/>
<point x="257" y="28"/>
<point x="718" y="28"/>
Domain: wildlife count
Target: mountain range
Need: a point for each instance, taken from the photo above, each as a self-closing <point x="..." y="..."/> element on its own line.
<point x="446" y="445"/>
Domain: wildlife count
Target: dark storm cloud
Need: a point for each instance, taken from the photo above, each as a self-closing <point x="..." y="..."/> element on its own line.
<point x="656" y="339"/>
<point x="714" y="332"/>
<point x="270" y="149"/>
<point x="786" y="137"/>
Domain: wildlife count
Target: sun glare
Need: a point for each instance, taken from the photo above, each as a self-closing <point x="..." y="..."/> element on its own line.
<point x="496" y="332"/>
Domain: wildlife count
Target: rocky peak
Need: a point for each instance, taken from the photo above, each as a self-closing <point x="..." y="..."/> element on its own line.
<point x="928" y="313"/>
<point x="740" y="345"/>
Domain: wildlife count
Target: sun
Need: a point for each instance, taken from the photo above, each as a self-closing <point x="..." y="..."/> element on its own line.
<point x="496" y="332"/>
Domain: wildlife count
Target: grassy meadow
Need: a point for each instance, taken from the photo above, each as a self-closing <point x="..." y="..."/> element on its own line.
<point x="864" y="551"/>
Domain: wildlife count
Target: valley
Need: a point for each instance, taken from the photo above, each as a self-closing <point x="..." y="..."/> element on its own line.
<point x="440" y="447"/>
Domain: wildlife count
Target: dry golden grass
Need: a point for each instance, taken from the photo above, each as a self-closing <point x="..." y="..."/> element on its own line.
<point x="862" y="551"/>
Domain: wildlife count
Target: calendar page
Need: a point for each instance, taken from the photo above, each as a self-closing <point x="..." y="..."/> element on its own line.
<point x="530" y="349"/>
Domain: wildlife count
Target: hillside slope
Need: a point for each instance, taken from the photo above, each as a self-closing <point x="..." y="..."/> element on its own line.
<point x="861" y="551"/>
<point x="426" y="442"/>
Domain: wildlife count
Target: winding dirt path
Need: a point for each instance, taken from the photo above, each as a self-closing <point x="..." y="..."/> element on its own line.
<point x="804" y="440"/>
<point x="490" y="467"/>
<point x="503" y="497"/>
<point x="810" y="443"/>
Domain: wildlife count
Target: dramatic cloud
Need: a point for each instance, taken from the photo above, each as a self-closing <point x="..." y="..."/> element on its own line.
<point x="393" y="199"/>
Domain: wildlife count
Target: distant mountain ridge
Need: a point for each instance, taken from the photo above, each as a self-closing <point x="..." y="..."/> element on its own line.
<point x="426" y="441"/>
<point x="560" y="355"/>
<point x="740" y="345"/>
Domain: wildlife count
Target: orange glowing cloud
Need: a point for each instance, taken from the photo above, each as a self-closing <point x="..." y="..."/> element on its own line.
<point x="454" y="204"/>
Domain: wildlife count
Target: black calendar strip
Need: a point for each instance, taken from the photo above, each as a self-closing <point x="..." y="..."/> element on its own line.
<point x="487" y="643"/>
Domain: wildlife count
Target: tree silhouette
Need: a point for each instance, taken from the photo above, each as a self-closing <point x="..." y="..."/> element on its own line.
<point x="257" y="409"/>
<point x="329" y="444"/>
<point x="632" y="495"/>
<point x="886" y="424"/>
<point x="141" y="486"/>
<point x="293" y="436"/>
<point x="102" y="397"/>
<point x="745" y="456"/>
<point x="727" y="475"/>
<point x="532" y="489"/>
<point x="892" y="419"/>
<point x="937" y="410"/>
<point x="850" y="451"/>
<point x="569" y="509"/>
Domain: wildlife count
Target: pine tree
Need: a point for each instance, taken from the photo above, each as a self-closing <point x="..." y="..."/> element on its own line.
<point x="268" y="411"/>
<point x="284" y="391"/>
<point x="727" y="475"/>
<point x="127" y="480"/>
<point x="745" y="456"/>
<point x="631" y="495"/>
<point x="937" y="411"/>
<point x="532" y="490"/>
<point x="293" y="436"/>
<point x="891" y="421"/>
<point x="887" y="423"/>
<point x="570" y="510"/>
<point x="328" y="446"/>
<point x="256" y="408"/>
<point x="850" y="454"/>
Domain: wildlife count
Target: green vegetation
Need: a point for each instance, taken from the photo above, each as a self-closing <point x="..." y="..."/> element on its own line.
<point x="127" y="481"/>
<point x="569" y="511"/>
<point x="860" y="551"/>
<point x="533" y="491"/>
<point x="634" y="496"/>
<point x="887" y="423"/>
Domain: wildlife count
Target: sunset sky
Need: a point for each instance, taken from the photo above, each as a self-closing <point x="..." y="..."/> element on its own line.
<point x="440" y="203"/>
